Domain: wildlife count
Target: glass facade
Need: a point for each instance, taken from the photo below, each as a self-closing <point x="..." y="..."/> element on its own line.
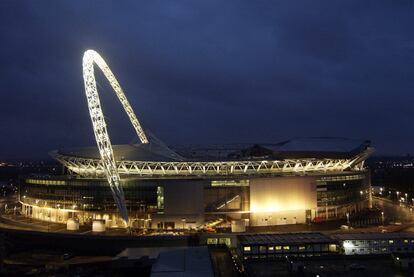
<point x="342" y="190"/>
<point x="91" y="195"/>
<point x="168" y="200"/>
<point x="223" y="198"/>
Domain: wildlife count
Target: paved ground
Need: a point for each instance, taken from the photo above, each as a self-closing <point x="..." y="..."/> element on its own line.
<point x="20" y="222"/>
<point x="392" y="213"/>
<point x="23" y="223"/>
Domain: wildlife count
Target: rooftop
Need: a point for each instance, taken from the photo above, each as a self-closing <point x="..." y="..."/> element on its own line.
<point x="285" y="239"/>
<point x="191" y="261"/>
<point x="335" y="148"/>
<point x="373" y="236"/>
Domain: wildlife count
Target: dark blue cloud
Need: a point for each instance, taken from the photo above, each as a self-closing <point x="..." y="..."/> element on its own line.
<point x="209" y="71"/>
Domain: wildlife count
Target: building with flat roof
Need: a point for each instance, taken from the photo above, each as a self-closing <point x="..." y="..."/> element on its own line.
<point x="375" y="243"/>
<point x="271" y="246"/>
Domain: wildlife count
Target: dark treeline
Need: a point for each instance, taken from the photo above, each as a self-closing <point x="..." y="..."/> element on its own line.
<point x="393" y="172"/>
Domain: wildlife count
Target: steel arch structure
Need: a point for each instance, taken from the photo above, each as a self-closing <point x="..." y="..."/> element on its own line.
<point x="103" y="141"/>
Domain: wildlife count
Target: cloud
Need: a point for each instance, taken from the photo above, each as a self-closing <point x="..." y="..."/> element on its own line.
<point x="209" y="72"/>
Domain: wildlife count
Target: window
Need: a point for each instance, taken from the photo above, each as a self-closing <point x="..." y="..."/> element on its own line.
<point x="247" y="249"/>
<point x="212" y="241"/>
<point x="286" y="247"/>
<point x="44" y="182"/>
<point x="231" y="183"/>
<point x="406" y="241"/>
<point x="390" y="241"/>
<point x="262" y="249"/>
<point x="160" y="198"/>
<point x="226" y="241"/>
<point x="332" y="248"/>
<point x="270" y="248"/>
<point x="278" y="247"/>
<point x="302" y="248"/>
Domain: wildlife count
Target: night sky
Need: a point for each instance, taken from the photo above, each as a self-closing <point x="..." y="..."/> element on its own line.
<point x="204" y="72"/>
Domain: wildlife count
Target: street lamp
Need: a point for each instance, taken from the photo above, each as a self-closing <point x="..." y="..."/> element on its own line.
<point x="406" y="197"/>
<point x="382" y="218"/>
<point x="347" y="218"/>
<point x="183" y="220"/>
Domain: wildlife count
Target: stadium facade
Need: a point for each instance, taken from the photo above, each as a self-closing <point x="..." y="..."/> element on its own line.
<point x="152" y="185"/>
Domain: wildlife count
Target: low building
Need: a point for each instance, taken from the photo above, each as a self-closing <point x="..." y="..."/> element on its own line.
<point x="271" y="246"/>
<point x="375" y="243"/>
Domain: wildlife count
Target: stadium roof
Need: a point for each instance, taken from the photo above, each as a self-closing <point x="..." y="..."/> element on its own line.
<point x="143" y="152"/>
<point x="322" y="147"/>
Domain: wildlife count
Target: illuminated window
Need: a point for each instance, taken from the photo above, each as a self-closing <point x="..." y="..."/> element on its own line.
<point x="226" y="241"/>
<point x="262" y="249"/>
<point x="286" y="247"/>
<point x="230" y="183"/>
<point x="332" y="247"/>
<point x="278" y="247"/>
<point x="390" y="241"/>
<point x="302" y="248"/>
<point x="44" y="182"/>
<point x="342" y="178"/>
<point x="247" y="249"/>
<point x="160" y="198"/>
<point x="406" y="241"/>
<point x="212" y="241"/>
<point x="271" y="248"/>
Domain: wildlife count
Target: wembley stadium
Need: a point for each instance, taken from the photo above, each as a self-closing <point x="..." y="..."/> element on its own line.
<point x="152" y="185"/>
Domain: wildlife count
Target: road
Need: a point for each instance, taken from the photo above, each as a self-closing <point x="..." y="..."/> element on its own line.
<point x="392" y="211"/>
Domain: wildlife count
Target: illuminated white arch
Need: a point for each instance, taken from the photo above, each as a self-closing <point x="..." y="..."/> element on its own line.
<point x="99" y="125"/>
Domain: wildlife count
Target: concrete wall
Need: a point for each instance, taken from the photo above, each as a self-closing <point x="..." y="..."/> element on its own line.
<point x="281" y="200"/>
<point x="183" y="199"/>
